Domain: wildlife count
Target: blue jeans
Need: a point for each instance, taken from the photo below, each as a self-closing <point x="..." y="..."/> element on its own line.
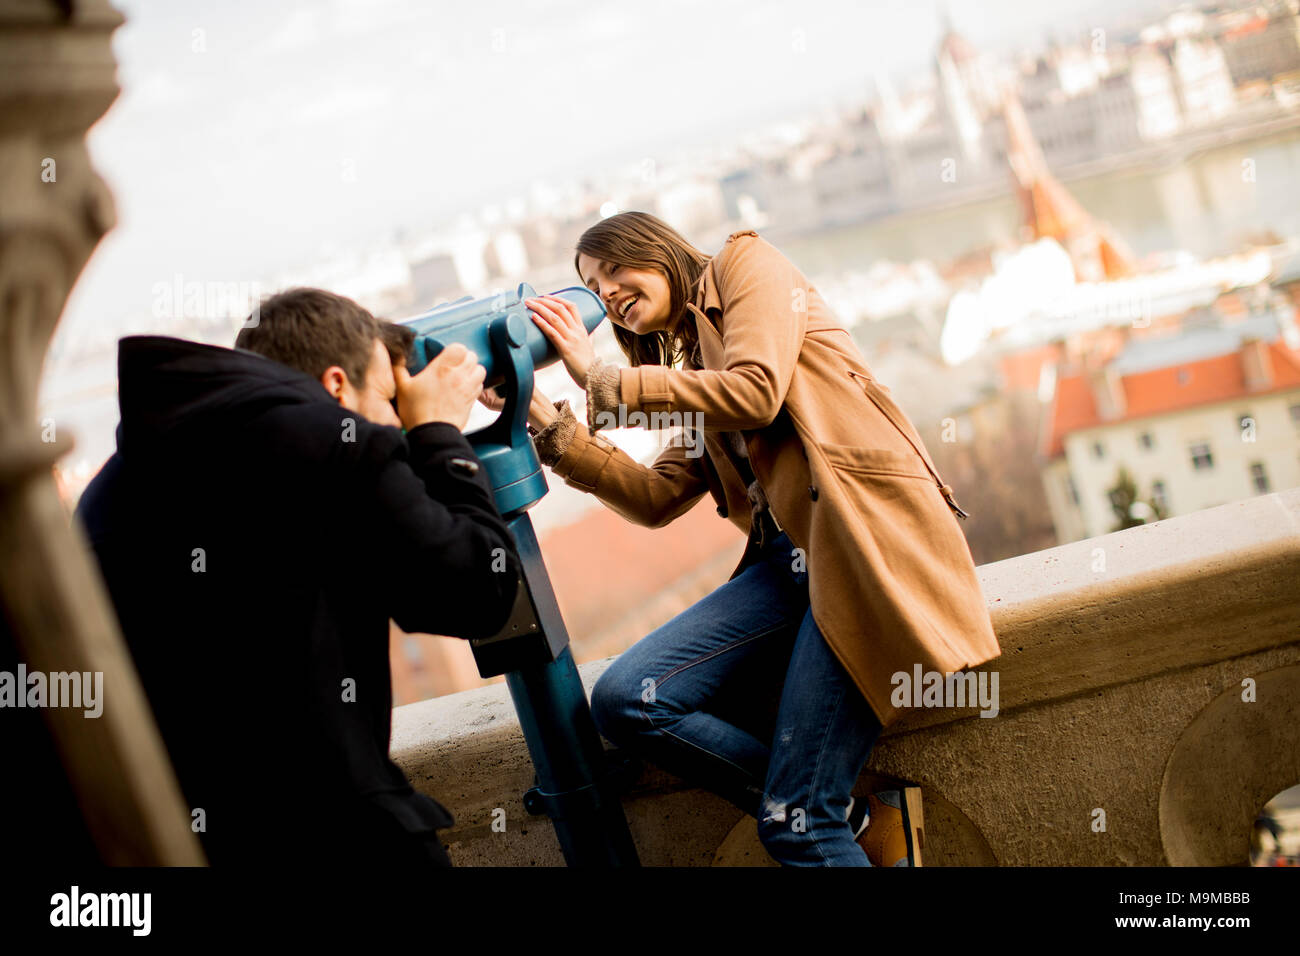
<point x="696" y="697"/>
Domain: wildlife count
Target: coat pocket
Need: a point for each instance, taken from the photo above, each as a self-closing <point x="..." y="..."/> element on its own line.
<point x="895" y="543"/>
<point x="881" y="398"/>
<point x="881" y="461"/>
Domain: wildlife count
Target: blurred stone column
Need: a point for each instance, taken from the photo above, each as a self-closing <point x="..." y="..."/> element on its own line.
<point x="59" y="78"/>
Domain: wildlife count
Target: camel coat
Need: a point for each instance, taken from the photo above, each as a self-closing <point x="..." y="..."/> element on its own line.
<point x="891" y="580"/>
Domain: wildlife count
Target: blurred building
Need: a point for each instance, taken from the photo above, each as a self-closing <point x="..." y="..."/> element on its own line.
<point x="855" y="183"/>
<point x="434" y="279"/>
<point x="1205" y="86"/>
<point x="1156" y="95"/>
<point x="1204" y="415"/>
<point x="1260" y="45"/>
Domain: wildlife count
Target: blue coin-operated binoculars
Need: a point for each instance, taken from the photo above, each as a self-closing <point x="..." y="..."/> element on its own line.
<point x="577" y="786"/>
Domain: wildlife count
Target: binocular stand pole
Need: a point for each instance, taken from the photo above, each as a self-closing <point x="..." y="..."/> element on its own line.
<point x="576" y="785"/>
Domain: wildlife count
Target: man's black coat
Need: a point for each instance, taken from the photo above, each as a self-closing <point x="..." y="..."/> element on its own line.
<point x="256" y="537"/>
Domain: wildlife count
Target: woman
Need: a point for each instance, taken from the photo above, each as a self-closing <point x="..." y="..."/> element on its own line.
<point x="855" y="572"/>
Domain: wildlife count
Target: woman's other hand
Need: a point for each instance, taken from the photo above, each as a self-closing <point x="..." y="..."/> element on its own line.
<point x="491" y="399"/>
<point x="541" y="410"/>
<point x="561" y="323"/>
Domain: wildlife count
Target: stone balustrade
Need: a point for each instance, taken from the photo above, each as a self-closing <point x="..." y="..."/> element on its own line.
<point x="1148" y="706"/>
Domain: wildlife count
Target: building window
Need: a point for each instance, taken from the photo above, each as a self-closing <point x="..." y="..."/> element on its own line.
<point x="1147" y="440"/>
<point x="1070" y="487"/>
<point x="1097" y="450"/>
<point x="1202" y="460"/>
<point x="1295" y="414"/>
<point x="1159" y="497"/>
<point x="1259" y="478"/>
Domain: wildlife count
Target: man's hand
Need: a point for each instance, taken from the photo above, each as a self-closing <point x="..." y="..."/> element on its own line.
<point x="444" y="391"/>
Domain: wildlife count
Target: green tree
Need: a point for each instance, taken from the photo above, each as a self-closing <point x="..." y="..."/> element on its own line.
<point x="1124" y="495"/>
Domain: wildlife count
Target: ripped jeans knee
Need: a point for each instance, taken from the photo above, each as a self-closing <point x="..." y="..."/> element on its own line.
<point x="780" y="825"/>
<point x="793" y="835"/>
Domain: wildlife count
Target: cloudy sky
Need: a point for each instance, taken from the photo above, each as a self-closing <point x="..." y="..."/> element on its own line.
<point x="254" y="136"/>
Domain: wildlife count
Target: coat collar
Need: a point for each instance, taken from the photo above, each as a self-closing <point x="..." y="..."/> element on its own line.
<point x="706" y="292"/>
<point x="706" y="300"/>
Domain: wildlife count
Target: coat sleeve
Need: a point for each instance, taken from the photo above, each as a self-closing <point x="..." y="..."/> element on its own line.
<point x="650" y="495"/>
<point x="765" y="315"/>
<point x="441" y="549"/>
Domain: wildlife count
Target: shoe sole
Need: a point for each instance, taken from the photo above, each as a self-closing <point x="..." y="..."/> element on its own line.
<point x="913" y="824"/>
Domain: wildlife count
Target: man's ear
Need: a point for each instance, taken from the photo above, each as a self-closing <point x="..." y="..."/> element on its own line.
<point x="335" y="380"/>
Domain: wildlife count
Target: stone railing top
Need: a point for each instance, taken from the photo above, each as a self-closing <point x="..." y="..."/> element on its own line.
<point x="1083" y="615"/>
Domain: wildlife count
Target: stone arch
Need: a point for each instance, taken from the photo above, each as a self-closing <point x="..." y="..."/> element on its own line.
<point x="1232" y="758"/>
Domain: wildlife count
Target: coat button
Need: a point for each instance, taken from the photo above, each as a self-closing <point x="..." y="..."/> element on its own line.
<point x="465" y="465"/>
<point x="812" y="492"/>
<point x="722" y="511"/>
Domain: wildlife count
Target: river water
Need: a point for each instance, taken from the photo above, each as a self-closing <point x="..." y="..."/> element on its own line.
<point x="1207" y="206"/>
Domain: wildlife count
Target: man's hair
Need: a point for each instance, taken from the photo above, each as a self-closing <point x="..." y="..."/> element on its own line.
<point x="311" y="330"/>
<point x="398" y="339"/>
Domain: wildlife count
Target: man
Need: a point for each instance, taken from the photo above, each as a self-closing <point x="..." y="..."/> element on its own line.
<point x="260" y="522"/>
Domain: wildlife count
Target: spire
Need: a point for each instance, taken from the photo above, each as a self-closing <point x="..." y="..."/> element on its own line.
<point x="1049" y="211"/>
<point x="945" y="19"/>
<point x="952" y="44"/>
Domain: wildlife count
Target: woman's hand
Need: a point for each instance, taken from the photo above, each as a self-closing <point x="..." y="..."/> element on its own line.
<point x="491" y="399"/>
<point x="561" y="322"/>
<point x="541" y="410"/>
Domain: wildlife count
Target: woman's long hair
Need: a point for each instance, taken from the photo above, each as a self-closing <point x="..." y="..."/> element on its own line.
<point x="639" y="240"/>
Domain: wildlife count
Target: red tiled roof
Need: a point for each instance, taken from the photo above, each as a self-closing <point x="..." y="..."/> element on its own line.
<point x="602" y="566"/>
<point x="1250" y="26"/>
<point x="1022" y="369"/>
<point x="1159" y="392"/>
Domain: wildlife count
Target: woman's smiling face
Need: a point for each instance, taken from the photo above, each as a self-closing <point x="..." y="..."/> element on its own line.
<point x="636" y="299"/>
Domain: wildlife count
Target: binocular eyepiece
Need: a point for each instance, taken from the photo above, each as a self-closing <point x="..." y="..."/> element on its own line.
<point x="468" y="321"/>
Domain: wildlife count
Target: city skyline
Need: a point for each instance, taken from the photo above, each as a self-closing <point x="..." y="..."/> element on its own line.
<point x="246" y="143"/>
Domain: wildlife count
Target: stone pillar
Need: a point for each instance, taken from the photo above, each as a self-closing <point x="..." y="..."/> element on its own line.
<point x="59" y="78"/>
